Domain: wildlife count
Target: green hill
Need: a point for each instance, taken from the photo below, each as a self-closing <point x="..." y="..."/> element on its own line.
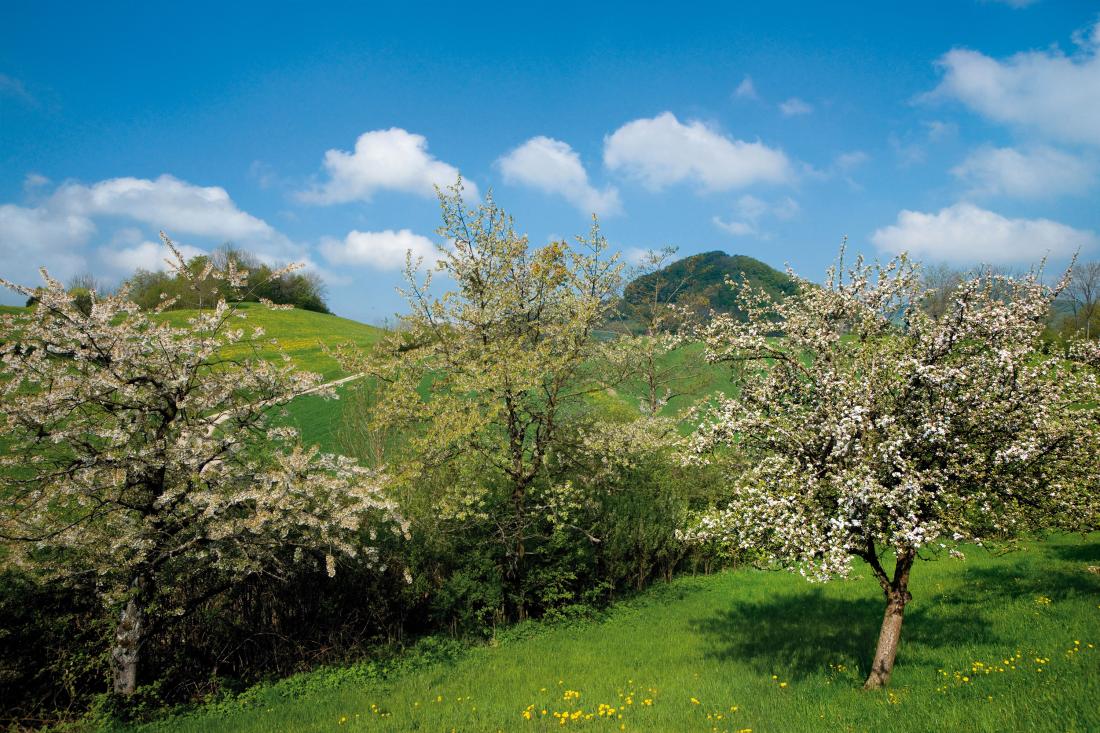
<point x="304" y="336"/>
<point x="699" y="282"/>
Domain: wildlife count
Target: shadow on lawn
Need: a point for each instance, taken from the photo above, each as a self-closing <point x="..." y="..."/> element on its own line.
<point x="799" y="635"/>
<point x="1088" y="552"/>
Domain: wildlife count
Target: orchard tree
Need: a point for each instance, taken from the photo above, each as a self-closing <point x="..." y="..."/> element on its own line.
<point x="876" y="430"/>
<point x="483" y="378"/>
<point x="142" y="457"/>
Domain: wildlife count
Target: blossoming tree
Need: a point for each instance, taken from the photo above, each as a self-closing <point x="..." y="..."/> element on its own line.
<point x="878" y="431"/>
<point x="485" y="376"/>
<point x="141" y="453"/>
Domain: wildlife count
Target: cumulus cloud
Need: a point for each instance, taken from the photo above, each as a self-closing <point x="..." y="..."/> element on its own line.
<point x="146" y="255"/>
<point x="58" y="228"/>
<point x="1048" y="91"/>
<point x="795" y="106"/>
<point x="749" y="211"/>
<point x="1038" y="172"/>
<point x="551" y="166"/>
<point x="384" y="250"/>
<point x="165" y="203"/>
<point x="661" y="151"/>
<point x="393" y="159"/>
<point x="965" y="233"/>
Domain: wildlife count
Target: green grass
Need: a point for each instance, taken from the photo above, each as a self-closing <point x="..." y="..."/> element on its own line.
<point x="787" y="655"/>
<point x="305" y="336"/>
<point x="302" y="334"/>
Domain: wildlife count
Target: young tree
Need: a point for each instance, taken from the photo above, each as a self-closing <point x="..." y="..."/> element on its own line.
<point x="142" y="458"/>
<point x="876" y="429"/>
<point x="488" y="372"/>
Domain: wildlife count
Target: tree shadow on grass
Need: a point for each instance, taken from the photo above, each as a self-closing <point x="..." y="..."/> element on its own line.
<point x="1088" y="552"/>
<point x="800" y="634"/>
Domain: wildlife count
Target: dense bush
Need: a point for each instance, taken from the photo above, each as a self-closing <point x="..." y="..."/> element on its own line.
<point x="302" y="290"/>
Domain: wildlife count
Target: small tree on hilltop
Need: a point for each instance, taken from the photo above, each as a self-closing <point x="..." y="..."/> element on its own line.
<point x="876" y="429"/>
<point x="484" y="378"/>
<point x="142" y="459"/>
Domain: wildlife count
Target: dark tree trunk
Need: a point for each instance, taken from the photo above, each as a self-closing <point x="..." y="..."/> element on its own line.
<point x="897" y="596"/>
<point x="129" y="638"/>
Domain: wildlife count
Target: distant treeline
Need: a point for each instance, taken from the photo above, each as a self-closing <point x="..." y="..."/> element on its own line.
<point x="303" y="290"/>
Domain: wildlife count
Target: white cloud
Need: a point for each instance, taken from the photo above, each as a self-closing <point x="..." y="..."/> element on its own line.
<point x="34" y="236"/>
<point x="392" y="159"/>
<point x="57" y="230"/>
<point x="795" y="106"/>
<point x="746" y="89"/>
<point x="1034" y="173"/>
<point x="28" y="229"/>
<point x="384" y="250"/>
<point x="749" y="211"/>
<point x="1048" y="91"/>
<point x="661" y="151"/>
<point x="165" y="203"/>
<point x="551" y="166"/>
<point x="146" y="255"/>
<point x="1014" y="3"/>
<point x="964" y="233"/>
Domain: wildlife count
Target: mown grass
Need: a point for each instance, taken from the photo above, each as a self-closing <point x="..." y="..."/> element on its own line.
<point x="1005" y="643"/>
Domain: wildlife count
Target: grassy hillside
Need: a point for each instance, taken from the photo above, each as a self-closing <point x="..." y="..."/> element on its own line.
<point x="304" y="335"/>
<point x="990" y="644"/>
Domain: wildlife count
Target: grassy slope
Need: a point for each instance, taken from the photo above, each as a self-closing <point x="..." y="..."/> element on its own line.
<point x="304" y="335"/>
<point x="789" y="656"/>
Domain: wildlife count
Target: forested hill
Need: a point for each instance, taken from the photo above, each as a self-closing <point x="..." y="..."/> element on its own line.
<point x="699" y="282"/>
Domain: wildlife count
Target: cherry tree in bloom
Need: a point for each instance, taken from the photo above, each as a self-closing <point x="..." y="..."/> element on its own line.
<point x="875" y="431"/>
<point x="143" y="455"/>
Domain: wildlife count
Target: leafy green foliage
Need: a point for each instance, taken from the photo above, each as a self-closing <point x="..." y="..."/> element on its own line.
<point x="302" y="290"/>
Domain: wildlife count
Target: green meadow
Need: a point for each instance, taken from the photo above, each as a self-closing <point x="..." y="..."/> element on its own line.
<point x="991" y="643"/>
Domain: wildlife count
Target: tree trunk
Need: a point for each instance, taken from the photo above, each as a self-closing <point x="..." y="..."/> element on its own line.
<point x="129" y="638"/>
<point x="897" y="596"/>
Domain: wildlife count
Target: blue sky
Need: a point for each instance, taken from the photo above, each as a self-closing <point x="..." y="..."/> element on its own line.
<point x="962" y="131"/>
